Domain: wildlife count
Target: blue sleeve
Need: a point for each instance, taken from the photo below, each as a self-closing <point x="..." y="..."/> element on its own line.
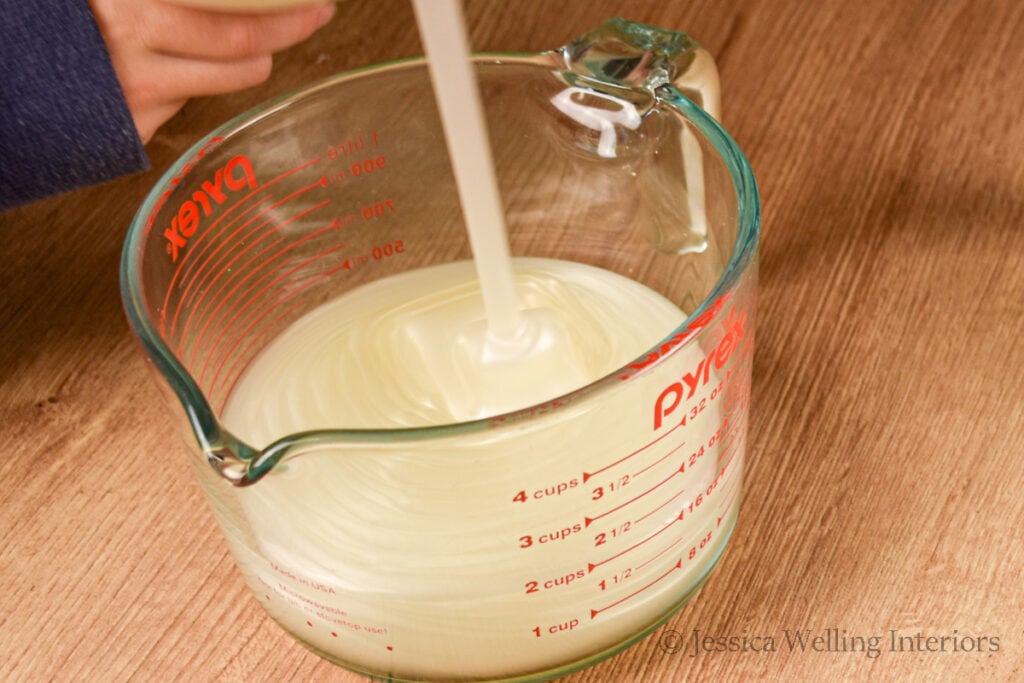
<point x="64" y="122"/>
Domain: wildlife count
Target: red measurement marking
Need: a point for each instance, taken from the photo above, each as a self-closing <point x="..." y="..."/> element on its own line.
<point x="247" y="274"/>
<point x="588" y="475"/>
<point x="193" y="282"/>
<point x="728" y="504"/>
<point x="197" y="253"/>
<point x="179" y="272"/>
<point x="200" y="243"/>
<point x="591" y="566"/>
<point x="658" y="461"/>
<point x="219" y="267"/>
<point x="241" y="355"/>
<point x="734" y="432"/>
<point x="589" y="520"/>
<point x="640" y="519"/>
<point x="244" y="269"/>
<point x="671" y="545"/>
<point x="259" y="296"/>
<point x="297" y="290"/>
<point x="192" y="255"/>
<point x="732" y="451"/>
<point x="677" y="565"/>
<point x="188" y="296"/>
<point x="259" y="316"/>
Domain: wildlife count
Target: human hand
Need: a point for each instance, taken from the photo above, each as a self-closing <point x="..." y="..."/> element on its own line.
<point x="164" y="53"/>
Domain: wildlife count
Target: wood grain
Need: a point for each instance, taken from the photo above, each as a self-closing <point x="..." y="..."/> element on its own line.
<point x="884" y="481"/>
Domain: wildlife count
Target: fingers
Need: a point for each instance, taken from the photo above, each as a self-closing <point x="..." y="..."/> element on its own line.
<point x="192" y="33"/>
<point x="156" y="92"/>
<point x="164" y="54"/>
<point x="178" y="78"/>
<point x="149" y="119"/>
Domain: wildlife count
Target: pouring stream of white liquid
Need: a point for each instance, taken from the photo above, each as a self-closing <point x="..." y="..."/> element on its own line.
<point x="444" y="39"/>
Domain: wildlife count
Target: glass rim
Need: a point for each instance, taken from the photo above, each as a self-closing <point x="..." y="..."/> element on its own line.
<point x="205" y="423"/>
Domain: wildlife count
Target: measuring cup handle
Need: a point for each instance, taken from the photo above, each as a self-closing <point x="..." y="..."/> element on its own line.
<point x="700" y="83"/>
<point x="663" y="65"/>
<point x="639" y="56"/>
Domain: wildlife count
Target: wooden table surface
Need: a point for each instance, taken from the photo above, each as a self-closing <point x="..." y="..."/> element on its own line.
<point x="885" y="486"/>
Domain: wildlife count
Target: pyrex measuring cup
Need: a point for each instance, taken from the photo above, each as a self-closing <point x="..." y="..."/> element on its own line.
<point x="515" y="546"/>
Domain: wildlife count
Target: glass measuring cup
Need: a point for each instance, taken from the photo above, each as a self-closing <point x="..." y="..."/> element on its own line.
<point x="517" y="546"/>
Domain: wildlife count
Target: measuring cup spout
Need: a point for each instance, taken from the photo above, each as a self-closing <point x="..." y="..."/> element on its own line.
<point x="237" y="462"/>
<point x="232" y="462"/>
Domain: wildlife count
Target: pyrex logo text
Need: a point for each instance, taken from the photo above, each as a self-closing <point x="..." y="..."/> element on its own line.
<point x="673" y="395"/>
<point x="235" y="175"/>
<point x="691" y="331"/>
